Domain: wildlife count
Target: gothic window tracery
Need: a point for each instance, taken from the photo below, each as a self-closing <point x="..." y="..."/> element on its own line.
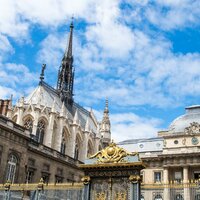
<point x="28" y="124"/>
<point x="40" y="131"/>
<point x="11" y="168"/>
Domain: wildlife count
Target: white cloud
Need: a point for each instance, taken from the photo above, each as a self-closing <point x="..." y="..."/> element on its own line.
<point x="166" y="14"/>
<point x="16" y="79"/>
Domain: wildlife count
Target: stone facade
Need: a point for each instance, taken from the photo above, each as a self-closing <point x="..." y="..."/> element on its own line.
<point x="171" y="158"/>
<point x="33" y="160"/>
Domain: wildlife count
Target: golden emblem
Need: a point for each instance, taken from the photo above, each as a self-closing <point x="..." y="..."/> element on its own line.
<point x="120" y="196"/>
<point x="85" y="180"/>
<point x="134" y="178"/>
<point x="100" y="196"/>
<point x="112" y="154"/>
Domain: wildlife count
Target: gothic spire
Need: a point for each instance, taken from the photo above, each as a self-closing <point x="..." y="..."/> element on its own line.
<point x="66" y="73"/>
<point x="105" y="127"/>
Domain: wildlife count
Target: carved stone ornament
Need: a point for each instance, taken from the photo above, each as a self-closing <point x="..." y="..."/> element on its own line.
<point x="112" y="154"/>
<point x="194" y="128"/>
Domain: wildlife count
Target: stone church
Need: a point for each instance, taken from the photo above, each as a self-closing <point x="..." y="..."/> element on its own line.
<point x="47" y="133"/>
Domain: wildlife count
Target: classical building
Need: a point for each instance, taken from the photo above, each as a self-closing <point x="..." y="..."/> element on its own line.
<point x="47" y="133"/>
<point x="171" y="158"/>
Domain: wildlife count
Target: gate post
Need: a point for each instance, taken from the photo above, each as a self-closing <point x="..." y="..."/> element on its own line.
<point x="135" y="191"/>
<point x="39" y="189"/>
<point x="7" y="191"/>
<point x="86" y="189"/>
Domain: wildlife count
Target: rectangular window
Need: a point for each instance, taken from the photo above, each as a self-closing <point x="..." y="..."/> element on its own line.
<point x="196" y="175"/>
<point x="45" y="178"/>
<point x="178" y="176"/>
<point x="157" y="177"/>
<point x="29" y="176"/>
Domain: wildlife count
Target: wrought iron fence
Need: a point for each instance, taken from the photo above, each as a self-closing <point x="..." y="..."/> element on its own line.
<point x="41" y="191"/>
<point x="174" y="191"/>
<point x="74" y="191"/>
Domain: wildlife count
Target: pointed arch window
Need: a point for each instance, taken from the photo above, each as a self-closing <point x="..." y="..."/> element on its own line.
<point x="40" y="131"/>
<point x="76" y="152"/>
<point x="63" y="146"/>
<point x="89" y="152"/>
<point x="28" y="124"/>
<point x="11" y="168"/>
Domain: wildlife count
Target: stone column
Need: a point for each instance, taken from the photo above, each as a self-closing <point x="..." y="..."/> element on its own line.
<point x="71" y="149"/>
<point x="186" y="183"/>
<point x="49" y="133"/>
<point x="96" y="148"/>
<point x="85" y="146"/>
<point x="166" y="184"/>
<point x="58" y="137"/>
<point x="35" y="121"/>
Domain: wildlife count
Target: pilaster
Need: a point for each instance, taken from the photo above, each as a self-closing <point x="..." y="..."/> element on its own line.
<point x="186" y="183"/>
<point x="166" y="184"/>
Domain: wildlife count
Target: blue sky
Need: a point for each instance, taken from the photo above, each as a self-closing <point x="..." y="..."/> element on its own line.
<point x="143" y="55"/>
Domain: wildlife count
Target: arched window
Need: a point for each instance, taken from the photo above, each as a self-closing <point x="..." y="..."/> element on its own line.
<point x="11" y="169"/>
<point x="76" y="152"/>
<point x="158" y="197"/>
<point x="179" y="197"/>
<point x="63" y="146"/>
<point x="40" y="131"/>
<point x="28" y="124"/>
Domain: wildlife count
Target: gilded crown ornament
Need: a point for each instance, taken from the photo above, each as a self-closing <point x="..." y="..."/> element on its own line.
<point x="112" y="154"/>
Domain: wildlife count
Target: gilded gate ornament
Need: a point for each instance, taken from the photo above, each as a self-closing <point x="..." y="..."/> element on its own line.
<point x="100" y="196"/>
<point x="112" y="154"/>
<point x="134" y="178"/>
<point x="85" y="180"/>
<point x="120" y="196"/>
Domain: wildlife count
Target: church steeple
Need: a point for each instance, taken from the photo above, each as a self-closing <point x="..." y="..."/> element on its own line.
<point x="66" y="73"/>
